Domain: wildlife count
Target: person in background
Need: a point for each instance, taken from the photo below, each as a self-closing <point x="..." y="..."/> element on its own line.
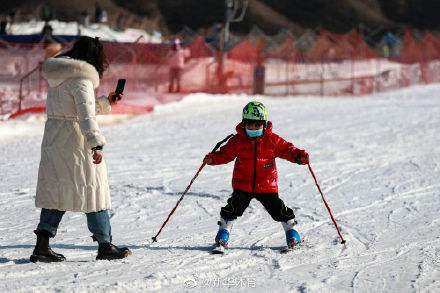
<point x="47" y="30"/>
<point x="104" y="18"/>
<point x="73" y="175"/>
<point x="214" y="35"/>
<point x="85" y="18"/>
<point x="11" y="16"/>
<point x="120" y="22"/>
<point x="98" y="13"/>
<point x="176" y="62"/>
<point x="390" y="43"/>
<point x="3" y="26"/>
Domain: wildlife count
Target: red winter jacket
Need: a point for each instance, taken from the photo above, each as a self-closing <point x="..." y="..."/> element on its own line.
<point x="255" y="169"/>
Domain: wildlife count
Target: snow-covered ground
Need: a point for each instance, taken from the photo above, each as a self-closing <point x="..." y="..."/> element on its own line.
<point x="377" y="159"/>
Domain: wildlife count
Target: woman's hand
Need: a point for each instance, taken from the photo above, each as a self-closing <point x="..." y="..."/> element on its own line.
<point x="97" y="156"/>
<point x="113" y="98"/>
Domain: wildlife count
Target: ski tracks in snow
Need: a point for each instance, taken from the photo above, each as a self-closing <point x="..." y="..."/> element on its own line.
<point x="377" y="160"/>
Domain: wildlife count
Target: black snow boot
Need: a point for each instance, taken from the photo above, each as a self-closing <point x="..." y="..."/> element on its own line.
<point x="109" y="251"/>
<point x="42" y="251"/>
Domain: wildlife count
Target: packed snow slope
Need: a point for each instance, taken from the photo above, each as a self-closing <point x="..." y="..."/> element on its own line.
<point x="376" y="157"/>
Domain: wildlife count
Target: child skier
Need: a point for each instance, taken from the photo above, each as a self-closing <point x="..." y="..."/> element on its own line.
<point x="254" y="149"/>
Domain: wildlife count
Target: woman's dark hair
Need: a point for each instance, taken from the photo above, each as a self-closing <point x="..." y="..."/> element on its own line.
<point x="89" y="50"/>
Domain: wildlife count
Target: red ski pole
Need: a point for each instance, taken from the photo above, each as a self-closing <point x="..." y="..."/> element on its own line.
<point x="188" y="187"/>
<point x="326" y="205"/>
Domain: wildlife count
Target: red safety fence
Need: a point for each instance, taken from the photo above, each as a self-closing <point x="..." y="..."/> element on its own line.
<point x="332" y="65"/>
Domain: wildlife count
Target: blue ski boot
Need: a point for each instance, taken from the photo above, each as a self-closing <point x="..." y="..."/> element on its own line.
<point x="222" y="237"/>
<point x="292" y="236"/>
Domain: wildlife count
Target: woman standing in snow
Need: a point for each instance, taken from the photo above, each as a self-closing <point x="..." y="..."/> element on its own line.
<point x="72" y="174"/>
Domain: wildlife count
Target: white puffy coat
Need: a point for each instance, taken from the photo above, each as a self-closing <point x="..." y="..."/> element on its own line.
<point x="67" y="178"/>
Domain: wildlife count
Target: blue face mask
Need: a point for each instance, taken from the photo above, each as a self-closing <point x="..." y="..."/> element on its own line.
<point x="254" y="133"/>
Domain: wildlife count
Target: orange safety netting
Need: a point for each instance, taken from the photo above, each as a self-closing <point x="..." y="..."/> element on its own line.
<point x="332" y="65"/>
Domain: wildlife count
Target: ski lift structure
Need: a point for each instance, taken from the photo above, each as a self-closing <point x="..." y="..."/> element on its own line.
<point x="235" y="11"/>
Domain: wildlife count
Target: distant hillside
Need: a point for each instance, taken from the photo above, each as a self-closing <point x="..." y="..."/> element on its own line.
<point x="297" y="15"/>
<point x="171" y="16"/>
<point x="71" y="10"/>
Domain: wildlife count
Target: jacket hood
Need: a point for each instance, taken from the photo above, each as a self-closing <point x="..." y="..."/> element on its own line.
<point x="58" y="70"/>
<point x="241" y="131"/>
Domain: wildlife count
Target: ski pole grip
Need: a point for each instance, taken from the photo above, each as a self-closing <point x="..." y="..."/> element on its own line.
<point x="221" y="142"/>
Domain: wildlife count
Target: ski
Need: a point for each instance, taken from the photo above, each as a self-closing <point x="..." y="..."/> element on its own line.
<point x="218" y="249"/>
<point x="288" y="249"/>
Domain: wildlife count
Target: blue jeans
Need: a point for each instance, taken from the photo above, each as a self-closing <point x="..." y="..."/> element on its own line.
<point x="97" y="222"/>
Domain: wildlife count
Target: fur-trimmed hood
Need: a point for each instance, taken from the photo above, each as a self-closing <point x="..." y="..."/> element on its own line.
<point x="58" y="70"/>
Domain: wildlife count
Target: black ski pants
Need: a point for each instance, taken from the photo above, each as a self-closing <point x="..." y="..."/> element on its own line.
<point x="239" y="201"/>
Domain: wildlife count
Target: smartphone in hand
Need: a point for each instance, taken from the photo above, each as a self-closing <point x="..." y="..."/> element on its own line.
<point x="120" y="88"/>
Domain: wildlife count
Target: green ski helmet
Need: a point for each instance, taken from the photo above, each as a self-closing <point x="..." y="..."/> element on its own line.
<point x="255" y="111"/>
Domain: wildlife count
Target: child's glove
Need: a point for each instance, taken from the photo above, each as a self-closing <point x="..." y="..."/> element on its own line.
<point x="208" y="159"/>
<point x="302" y="158"/>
